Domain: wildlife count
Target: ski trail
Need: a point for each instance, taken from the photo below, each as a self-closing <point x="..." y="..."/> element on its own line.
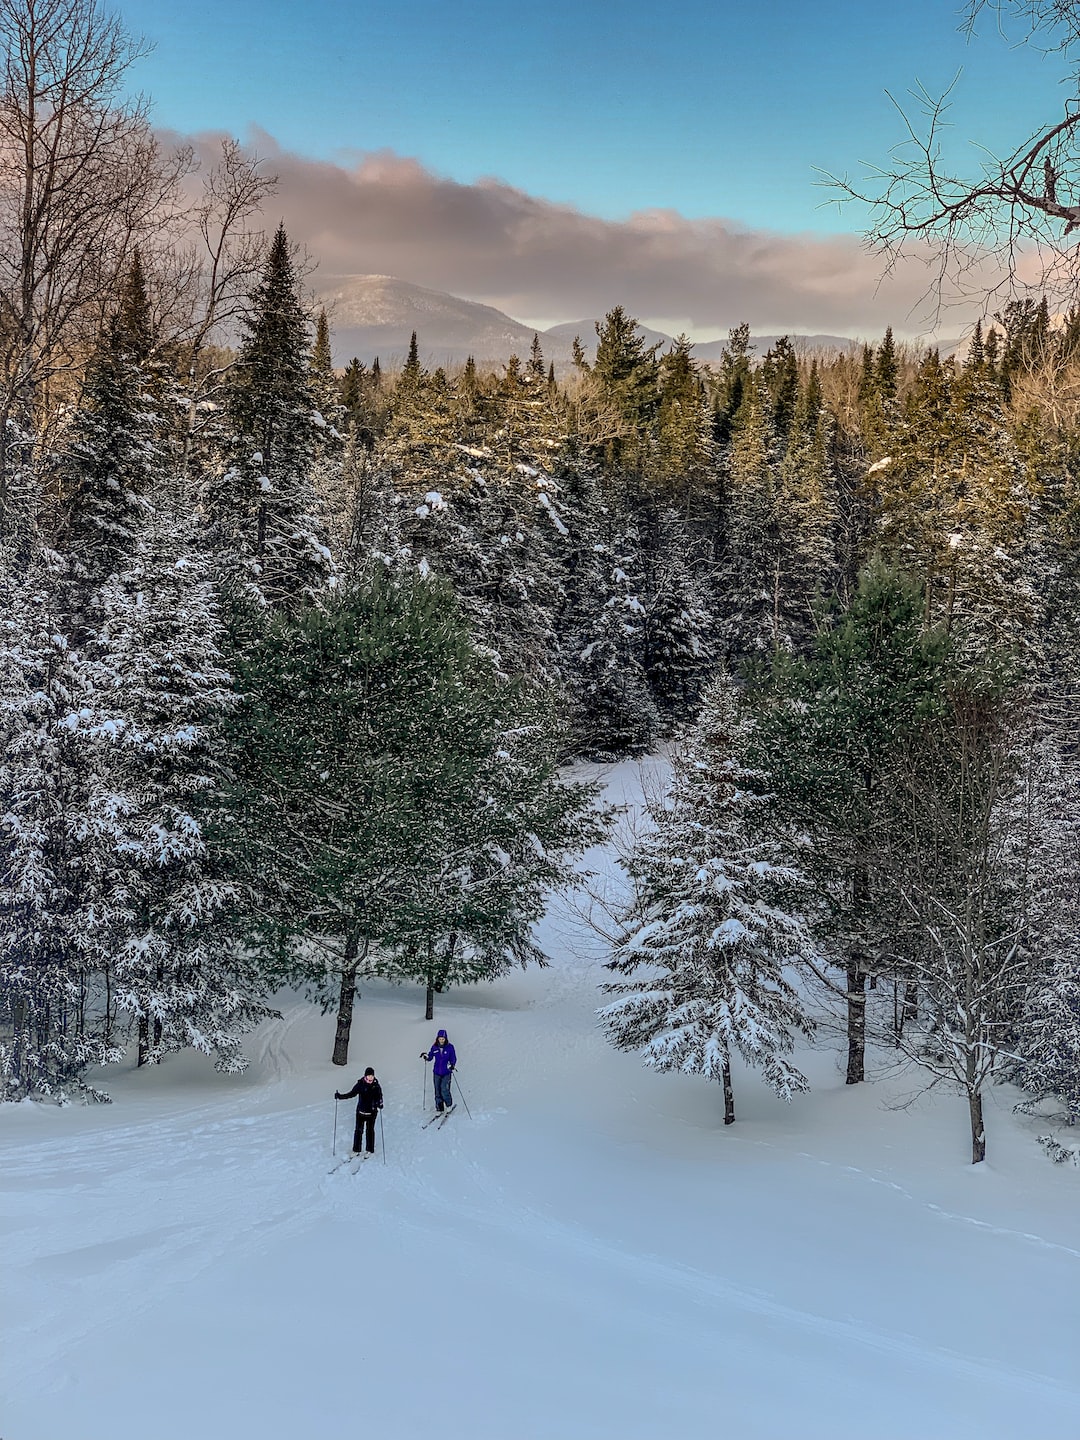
<point x="1025" y="1236"/>
<point x="535" y="1229"/>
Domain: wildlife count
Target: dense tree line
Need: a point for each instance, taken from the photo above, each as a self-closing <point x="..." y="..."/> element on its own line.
<point x="245" y="737"/>
<point x="290" y="657"/>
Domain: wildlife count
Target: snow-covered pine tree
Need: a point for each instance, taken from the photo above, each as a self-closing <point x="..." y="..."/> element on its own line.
<point x="685" y="452"/>
<point x="59" y="806"/>
<point x="713" y="925"/>
<point x="678" y="649"/>
<point x="157" y="696"/>
<point x="808" y="496"/>
<point x="1046" y="861"/>
<point x="615" y="711"/>
<point x="49" y="840"/>
<point x="262" y="505"/>
<point x="755" y="544"/>
<point x="107" y="456"/>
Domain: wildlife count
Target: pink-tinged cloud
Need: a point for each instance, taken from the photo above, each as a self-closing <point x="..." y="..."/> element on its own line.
<point x="381" y="213"/>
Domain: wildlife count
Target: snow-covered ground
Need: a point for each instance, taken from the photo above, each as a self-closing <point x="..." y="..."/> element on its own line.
<point x="591" y="1255"/>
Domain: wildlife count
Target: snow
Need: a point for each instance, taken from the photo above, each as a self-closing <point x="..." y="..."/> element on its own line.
<point x="591" y="1255"/>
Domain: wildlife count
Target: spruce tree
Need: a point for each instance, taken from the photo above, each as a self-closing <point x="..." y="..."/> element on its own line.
<point x="615" y="714"/>
<point x="263" y="504"/>
<point x="51" y="840"/>
<point x="157" y="696"/>
<point x="111" y="451"/>
<point x="535" y="367"/>
<point x="714" y="924"/>
<point x="678" y="648"/>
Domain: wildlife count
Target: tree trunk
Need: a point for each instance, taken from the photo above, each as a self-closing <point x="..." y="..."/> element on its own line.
<point x="729" y="1094"/>
<point x="978" y="1133"/>
<point x="144" y="1040"/>
<point x="108" y="1004"/>
<point x="429" y="1004"/>
<point x="911" y="1001"/>
<point x="158" y="1027"/>
<point x="346" y="997"/>
<point x="4" y="462"/>
<point x="20" y="1055"/>
<point x="856" y="1017"/>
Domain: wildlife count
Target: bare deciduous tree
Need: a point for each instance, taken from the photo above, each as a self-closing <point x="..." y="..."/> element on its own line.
<point x="221" y="266"/>
<point x="82" y="180"/>
<point x="1011" y="222"/>
<point x="963" y="881"/>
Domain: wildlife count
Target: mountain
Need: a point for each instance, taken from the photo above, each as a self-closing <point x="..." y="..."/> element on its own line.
<point x="707" y="351"/>
<point x="375" y="315"/>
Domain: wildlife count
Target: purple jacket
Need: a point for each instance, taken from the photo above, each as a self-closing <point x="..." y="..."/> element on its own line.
<point x="444" y="1055"/>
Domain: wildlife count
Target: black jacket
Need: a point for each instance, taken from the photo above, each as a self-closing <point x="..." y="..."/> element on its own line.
<point x="370" y="1096"/>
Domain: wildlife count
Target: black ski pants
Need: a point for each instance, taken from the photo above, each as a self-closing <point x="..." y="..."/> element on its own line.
<point x="364" y="1123"/>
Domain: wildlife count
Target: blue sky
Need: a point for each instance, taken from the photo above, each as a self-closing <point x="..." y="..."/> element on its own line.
<point x="703" y="106"/>
<point x="386" y="123"/>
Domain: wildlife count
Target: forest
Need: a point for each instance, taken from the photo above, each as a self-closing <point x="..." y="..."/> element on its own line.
<point x="296" y="660"/>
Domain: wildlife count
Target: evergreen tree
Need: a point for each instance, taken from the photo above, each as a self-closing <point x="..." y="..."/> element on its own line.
<point x="756" y="545"/>
<point x="625" y="374"/>
<point x="615" y="712"/>
<point x="110" y="452"/>
<point x="263" y="506"/>
<point x="809" y="503"/>
<point x="135" y="316"/>
<point x="678" y="649"/>
<point x="828" y="740"/>
<point x="733" y="383"/>
<point x="156" y="697"/>
<point x="503" y="845"/>
<point x="780" y="376"/>
<point x="714" y="924"/>
<point x="327" y="392"/>
<point x="535" y="367"/>
<point x="684" y="456"/>
<point x="367" y="747"/>
<point x="51" y="841"/>
<point x="412" y="373"/>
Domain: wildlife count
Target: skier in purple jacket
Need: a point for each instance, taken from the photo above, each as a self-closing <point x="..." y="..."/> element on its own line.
<point x="445" y="1058"/>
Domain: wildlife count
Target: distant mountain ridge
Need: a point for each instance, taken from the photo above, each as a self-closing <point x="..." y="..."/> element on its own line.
<point x="375" y="315"/>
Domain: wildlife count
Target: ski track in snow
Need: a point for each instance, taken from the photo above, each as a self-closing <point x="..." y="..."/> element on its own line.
<point x="514" y="1216"/>
<point x="615" y="1263"/>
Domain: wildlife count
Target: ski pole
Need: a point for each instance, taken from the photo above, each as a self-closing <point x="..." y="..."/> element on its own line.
<point x="334" y="1150"/>
<point x="382" y="1135"/>
<point x="462" y="1094"/>
<point x="423" y="1087"/>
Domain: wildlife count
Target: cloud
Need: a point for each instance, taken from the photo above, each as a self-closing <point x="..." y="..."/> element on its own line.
<point x="382" y="213"/>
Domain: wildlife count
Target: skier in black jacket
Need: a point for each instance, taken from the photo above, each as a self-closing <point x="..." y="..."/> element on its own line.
<point x="369" y="1102"/>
